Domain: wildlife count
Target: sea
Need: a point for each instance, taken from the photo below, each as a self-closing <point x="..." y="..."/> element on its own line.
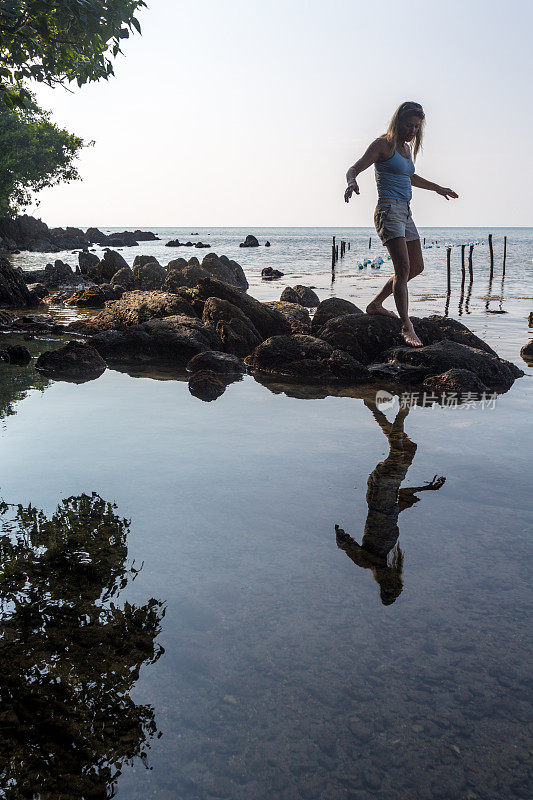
<point x="188" y="611"/>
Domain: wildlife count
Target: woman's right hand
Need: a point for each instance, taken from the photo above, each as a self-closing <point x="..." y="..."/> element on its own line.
<point x="352" y="187"/>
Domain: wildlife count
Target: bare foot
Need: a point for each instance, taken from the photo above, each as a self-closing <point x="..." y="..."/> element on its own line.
<point x="376" y="308"/>
<point x="410" y="336"/>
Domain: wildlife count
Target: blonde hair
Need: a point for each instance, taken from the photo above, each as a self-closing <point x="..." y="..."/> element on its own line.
<point x="407" y="109"/>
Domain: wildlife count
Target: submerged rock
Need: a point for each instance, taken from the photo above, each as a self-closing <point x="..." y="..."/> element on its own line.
<point x="329" y="309"/>
<point x="306" y="296"/>
<point x="250" y="241"/>
<point x="75" y="361"/>
<point x="305" y="358"/>
<point x="216" y="361"/>
<point x="270" y="274"/>
<point x="206" y="385"/>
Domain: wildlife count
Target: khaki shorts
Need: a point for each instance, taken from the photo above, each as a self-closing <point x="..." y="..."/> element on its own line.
<point x="392" y="219"/>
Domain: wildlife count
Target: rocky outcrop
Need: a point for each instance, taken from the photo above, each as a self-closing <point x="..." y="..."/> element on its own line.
<point x="124" y="278"/>
<point x="224" y="269"/>
<point x="74" y="362"/>
<point x="87" y="298"/>
<point x="60" y="274"/>
<point x="87" y="261"/>
<point x="148" y="276"/>
<point x="297" y="316"/>
<point x="267" y="321"/>
<point x="455" y="380"/>
<point x="206" y="385"/>
<point x="237" y="332"/>
<point x="436" y="359"/>
<point x="306" y="358"/>
<point x="110" y="265"/>
<point x="250" y="241"/>
<point x="270" y="274"/>
<point x="288" y="295"/>
<point x="176" y="263"/>
<point x="140" y="261"/>
<point x="191" y="273"/>
<point x="137" y="307"/>
<point x="329" y="309"/>
<point x="173" y="339"/>
<point x="217" y="361"/>
<point x="13" y="290"/>
<point x="306" y="296"/>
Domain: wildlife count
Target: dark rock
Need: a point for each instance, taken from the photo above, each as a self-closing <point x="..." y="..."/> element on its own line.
<point x="87" y="298"/>
<point x="174" y="243"/>
<point x="527" y="352"/>
<point x="453" y="330"/>
<point x="216" y="361"/>
<point x="149" y="276"/>
<point x="123" y="278"/>
<point x="396" y="373"/>
<point x="530" y="319"/>
<point x="288" y="295"/>
<point x="201" y="245"/>
<point x="446" y="355"/>
<point x="224" y="269"/>
<point x="455" y="380"/>
<point x="267" y="321"/>
<point x="267" y="244"/>
<point x="67" y="238"/>
<point x="75" y="361"/>
<point x="39" y="290"/>
<point x="137" y="307"/>
<point x="145" y="236"/>
<point x="366" y="337"/>
<point x="176" y="339"/>
<point x="87" y="261"/>
<point x="270" y="274"/>
<point x="206" y="385"/>
<point x="111" y="291"/>
<point x="250" y="241"/>
<point x="59" y="274"/>
<point x="330" y="308"/>
<point x="176" y="263"/>
<point x="188" y="276"/>
<point x="306" y="358"/>
<point x="237" y="332"/>
<point x="18" y="354"/>
<point x="123" y="239"/>
<point x="306" y="296"/>
<point x="297" y="316"/>
<point x="95" y="236"/>
<point x="110" y="264"/>
<point x="13" y="289"/>
<point x="140" y="261"/>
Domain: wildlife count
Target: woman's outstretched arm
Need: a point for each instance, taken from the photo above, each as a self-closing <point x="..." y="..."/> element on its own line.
<point x="372" y="154"/>
<point x="422" y="183"/>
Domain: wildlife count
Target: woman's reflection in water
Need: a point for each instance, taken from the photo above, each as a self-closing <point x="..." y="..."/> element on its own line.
<point x="379" y="550"/>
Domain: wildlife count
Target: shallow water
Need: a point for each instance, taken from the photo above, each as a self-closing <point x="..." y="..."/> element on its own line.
<point x="284" y="674"/>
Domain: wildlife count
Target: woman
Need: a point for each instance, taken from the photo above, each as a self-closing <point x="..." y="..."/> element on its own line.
<point x="393" y="155"/>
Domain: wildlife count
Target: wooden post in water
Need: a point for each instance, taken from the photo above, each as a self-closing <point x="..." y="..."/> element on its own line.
<point x="491" y="251"/>
<point x="370" y="243"/>
<point x="470" y="270"/>
<point x="448" y="269"/>
<point x="349" y="245"/>
<point x="333" y="257"/>
<point x="424" y="239"/>
<point x="336" y="252"/>
<point x="463" y="259"/>
<point x="504" y="252"/>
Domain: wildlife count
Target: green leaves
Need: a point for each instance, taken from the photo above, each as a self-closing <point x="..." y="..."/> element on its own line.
<point x="36" y="153"/>
<point x="58" y="41"/>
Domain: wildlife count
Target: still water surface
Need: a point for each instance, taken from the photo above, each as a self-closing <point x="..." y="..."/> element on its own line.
<point x="254" y="650"/>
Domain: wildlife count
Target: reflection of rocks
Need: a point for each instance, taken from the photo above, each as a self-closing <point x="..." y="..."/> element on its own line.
<point x="216" y="361"/>
<point x="70" y="652"/>
<point x="75" y="362"/>
<point x="206" y="385"/>
<point x="305" y="358"/>
<point x="16" y="354"/>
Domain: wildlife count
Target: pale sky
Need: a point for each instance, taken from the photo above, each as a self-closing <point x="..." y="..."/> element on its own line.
<point x="248" y="113"/>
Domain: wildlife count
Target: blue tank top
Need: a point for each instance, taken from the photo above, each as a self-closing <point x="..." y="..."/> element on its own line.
<point x="393" y="177"/>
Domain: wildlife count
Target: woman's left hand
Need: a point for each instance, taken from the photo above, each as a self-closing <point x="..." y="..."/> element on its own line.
<point x="447" y="193"/>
